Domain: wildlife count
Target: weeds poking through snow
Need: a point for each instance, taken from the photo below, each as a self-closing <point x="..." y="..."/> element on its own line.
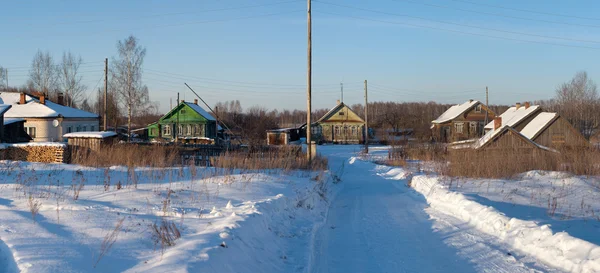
<point x="78" y="183"/>
<point x="34" y="206"/>
<point x="165" y="234"/>
<point x="109" y="239"/>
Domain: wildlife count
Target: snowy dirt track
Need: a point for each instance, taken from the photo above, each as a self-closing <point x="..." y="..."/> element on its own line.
<point x="378" y="224"/>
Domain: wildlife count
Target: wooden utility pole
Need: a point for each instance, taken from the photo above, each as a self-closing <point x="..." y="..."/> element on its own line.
<point x="308" y="88"/>
<point x="366" y="120"/>
<point x="486" y="110"/>
<point x="342" y="90"/>
<point x="176" y="129"/>
<point x="105" y="92"/>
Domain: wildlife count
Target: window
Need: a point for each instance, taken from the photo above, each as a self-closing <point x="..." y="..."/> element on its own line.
<point x="341" y="113"/>
<point x="92" y="128"/>
<point x="167" y="130"/>
<point x="345" y="130"/>
<point x="188" y="130"/>
<point x="179" y="130"/>
<point x="478" y="108"/>
<point x="473" y="127"/>
<point x="69" y="129"/>
<point x="78" y="128"/>
<point x="153" y="131"/>
<point x="337" y="130"/>
<point x="31" y="131"/>
<point x="458" y="127"/>
<point x="353" y="130"/>
<point x="85" y="128"/>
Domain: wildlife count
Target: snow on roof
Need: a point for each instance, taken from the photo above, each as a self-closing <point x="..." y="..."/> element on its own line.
<point x="200" y="110"/>
<point x="4" y="108"/>
<point x="8" y="121"/>
<point x="104" y="134"/>
<point x="34" y="109"/>
<point x="536" y="125"/>
<point x="455" y="111"/>
<point x="513" y="116"/>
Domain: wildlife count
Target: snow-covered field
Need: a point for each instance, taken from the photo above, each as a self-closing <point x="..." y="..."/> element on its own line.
<point x="229" y="221"/>
<point x="270" y="221"/>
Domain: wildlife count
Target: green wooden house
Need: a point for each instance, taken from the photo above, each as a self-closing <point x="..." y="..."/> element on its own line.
<point x="188" y="121"/>
<point x="340" y="125"/>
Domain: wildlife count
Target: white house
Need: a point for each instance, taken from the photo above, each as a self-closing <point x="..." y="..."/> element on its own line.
<point x="45" y="120"/>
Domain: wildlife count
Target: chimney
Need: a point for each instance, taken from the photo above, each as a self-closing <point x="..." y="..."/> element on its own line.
<point x="23" y="98"/>
<point x="518" y="105"/>
<point x="471" y="100"/>
<point x="338" y="102"/>
<point x="43" y="99"/>
<point x="196" y="101"/>
<point x="527" y="104"/>
<point x="61" y="98"/>
<point x="497" y="122"/>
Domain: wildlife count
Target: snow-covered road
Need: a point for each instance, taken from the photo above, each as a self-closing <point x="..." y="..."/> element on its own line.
<point x="380" y="225"/>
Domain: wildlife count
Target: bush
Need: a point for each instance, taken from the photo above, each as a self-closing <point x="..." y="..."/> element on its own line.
<point x="128" y="155"/>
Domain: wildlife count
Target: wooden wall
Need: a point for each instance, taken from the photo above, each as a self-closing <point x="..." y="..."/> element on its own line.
<point x="561" y="134"/>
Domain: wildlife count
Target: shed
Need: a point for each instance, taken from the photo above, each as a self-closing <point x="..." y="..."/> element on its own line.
<point x="461" y="122"/>
<point x="552" y="130"/>
<point x="90" y="141"/>
<point x="283" y="136"/>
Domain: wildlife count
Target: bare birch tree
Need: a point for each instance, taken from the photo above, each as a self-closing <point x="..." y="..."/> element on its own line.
<point x="43" y="74"/>
<point x="127" y="74"/>
<point x="70" y="79"/>
<point x="578" y="101"/>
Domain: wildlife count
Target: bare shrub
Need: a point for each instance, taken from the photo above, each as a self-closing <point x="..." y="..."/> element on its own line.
<point x="261" y="158"/>
<point x="34" y="206"/>
<point x="506" y="163"/>
<point x="109" y="239"/>
<point x="129" y="155"/>
<point x="165" y="234"/>
<point x="417" y="151"/>
<point x="78" y="183"/>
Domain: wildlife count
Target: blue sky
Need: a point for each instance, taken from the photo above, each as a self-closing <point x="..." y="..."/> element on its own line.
<point x="255" y="51"/>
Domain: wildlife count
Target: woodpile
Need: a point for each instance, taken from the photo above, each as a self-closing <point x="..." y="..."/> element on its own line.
<point x="44" y="154"/>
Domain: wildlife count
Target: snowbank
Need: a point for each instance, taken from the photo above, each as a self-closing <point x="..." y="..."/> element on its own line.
<point x="559" y="250"/>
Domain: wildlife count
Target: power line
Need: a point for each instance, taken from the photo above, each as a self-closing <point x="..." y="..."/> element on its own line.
<point x="458" y="31"/>
<point x="187" y="77"/>
<point x="526" y="10"/>
<point x="178" y="13"/>
<point x="499" y="15"/>
<point x="462" y="25"/>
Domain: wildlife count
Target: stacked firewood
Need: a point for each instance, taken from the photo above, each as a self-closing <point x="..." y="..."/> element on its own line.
<point x="46" y="154"/>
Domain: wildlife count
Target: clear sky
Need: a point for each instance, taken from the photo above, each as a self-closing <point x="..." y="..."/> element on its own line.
<point x="255" y="51"/>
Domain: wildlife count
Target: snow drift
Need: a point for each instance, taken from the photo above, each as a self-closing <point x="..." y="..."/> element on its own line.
<point x="559" y="249"/>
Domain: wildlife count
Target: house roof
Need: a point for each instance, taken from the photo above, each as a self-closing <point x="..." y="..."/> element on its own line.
<point x="538" y="124"/>
<point x="8" y="121"/>
<point x="4" y="108"/>
<point x="514" y="116"/>
<point x="335" y="109"/>
<point x="493" y="134"/>
<point x="200" y="110"/>
<point x="104" y="134"/>
<point x="455" y="111"/>
<point x="34" y="109"/>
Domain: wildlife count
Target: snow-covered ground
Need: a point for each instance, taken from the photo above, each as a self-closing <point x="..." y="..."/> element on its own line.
<point x="268" y="221"/>
<point x="229" y="222"/>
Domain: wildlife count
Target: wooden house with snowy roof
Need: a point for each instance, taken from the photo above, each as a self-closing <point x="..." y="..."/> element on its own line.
<point x="340" y="125"/>
<point x="188" y="123"/>
<point x="461" y="122"/>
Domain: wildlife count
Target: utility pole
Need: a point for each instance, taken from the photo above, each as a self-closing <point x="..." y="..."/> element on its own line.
<point x="6" y="76"/>
<point x="176" y="129"/>
<point x="486" y="110"/>
<point x="342" y="89"/>
<point x="366" y="120"/>
<point x="308" y="88"/>
<point x="105" y="91"/>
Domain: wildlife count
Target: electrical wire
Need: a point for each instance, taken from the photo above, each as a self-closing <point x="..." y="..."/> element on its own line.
<point x="456" y="31"/>
<point x="525" y="10"/>
<point x="462" y="25"/>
